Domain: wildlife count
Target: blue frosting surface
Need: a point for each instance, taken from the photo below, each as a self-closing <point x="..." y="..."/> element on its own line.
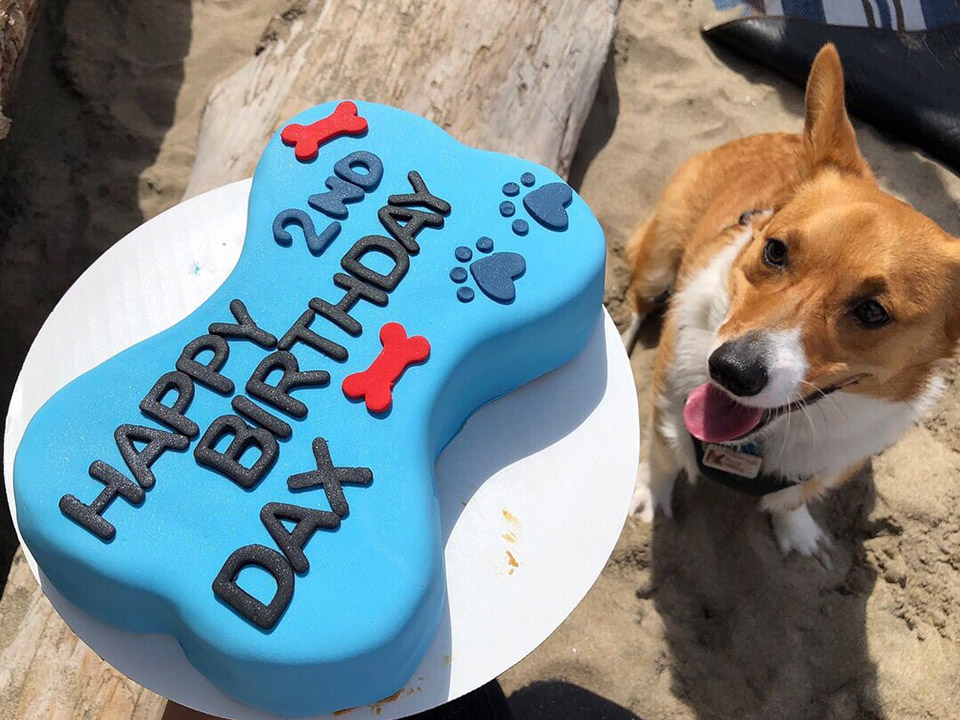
<point x="362" y="616"/>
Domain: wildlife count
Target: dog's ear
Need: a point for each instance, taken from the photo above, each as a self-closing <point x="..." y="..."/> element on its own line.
<point x="828" y="137"/>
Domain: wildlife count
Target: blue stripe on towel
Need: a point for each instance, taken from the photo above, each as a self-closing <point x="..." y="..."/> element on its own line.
<point x="885" y="21"/>
<point x="935" y="13"/>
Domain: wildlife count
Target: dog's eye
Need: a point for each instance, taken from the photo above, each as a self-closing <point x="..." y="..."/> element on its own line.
<point x="775" y="253"/>
<point x="871" y="314"/>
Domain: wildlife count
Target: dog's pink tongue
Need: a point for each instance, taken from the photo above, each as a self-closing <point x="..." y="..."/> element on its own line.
<point x="713" y="416"/>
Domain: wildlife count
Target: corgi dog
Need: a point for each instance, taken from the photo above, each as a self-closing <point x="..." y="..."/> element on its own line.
<point x="808" y="315"/>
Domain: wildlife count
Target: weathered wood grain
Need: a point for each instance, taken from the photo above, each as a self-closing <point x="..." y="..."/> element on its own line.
<point x="47" y="672"/>
<point x="516" y="77"/>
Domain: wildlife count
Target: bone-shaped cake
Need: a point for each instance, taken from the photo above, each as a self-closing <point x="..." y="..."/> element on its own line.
<point x="257" y="480"/>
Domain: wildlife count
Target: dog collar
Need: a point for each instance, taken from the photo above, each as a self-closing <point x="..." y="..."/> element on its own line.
<point x="738" y="467"/>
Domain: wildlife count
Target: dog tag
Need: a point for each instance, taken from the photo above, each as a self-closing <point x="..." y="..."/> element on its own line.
<point x="729" y="460"/>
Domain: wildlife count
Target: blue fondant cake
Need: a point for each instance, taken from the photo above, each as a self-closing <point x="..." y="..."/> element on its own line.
<point x="257" y="481"/>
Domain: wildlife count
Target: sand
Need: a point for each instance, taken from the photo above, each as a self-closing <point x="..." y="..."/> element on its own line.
<point x="698" y="617"/>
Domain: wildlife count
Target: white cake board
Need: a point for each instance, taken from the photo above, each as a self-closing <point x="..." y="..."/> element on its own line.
<point x="533" y="492"/>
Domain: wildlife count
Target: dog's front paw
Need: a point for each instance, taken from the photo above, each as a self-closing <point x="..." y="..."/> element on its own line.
<point x="651" y="494"/>
<point x="796" y="530"/>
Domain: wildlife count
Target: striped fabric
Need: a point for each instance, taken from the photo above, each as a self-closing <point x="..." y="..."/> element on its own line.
<point x="899" y="15"/>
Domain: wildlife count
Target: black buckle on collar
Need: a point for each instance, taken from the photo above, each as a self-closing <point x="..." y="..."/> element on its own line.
<point x="759" y="486"/>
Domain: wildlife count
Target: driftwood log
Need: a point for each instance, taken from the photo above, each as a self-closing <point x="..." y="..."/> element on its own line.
<point x="47" y="672"/>
<point x="17" y="18"/>
<point x="517" y="77"/>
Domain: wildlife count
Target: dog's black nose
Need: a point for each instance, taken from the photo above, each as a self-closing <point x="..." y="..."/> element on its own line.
<point x="740" y="366"/>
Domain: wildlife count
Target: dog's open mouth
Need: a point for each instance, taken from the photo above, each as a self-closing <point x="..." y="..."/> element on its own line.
<point x="712" y="416"/>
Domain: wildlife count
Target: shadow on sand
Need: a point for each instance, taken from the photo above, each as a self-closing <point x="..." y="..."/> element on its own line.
<point x="558" y="700"/>
<point x="752" y="635"/>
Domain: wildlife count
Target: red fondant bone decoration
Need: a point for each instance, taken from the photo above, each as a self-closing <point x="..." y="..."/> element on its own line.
<point x="307" y="139"/>
<point x="375" y="384"/>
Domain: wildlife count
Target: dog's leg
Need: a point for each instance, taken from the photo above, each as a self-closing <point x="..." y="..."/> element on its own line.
<point x="656" y="476"/>
<point x="793" y="526"/>
<point x="629" y="336"/>
<point x="661" y="457"/>
<point x="797" y="530"/>
<point x="653" y="266"/>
